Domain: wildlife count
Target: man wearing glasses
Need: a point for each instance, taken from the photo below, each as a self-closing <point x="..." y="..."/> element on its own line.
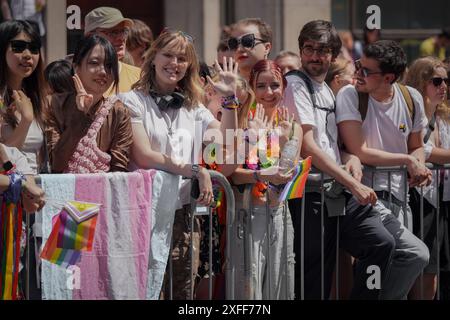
<point x="251" y="41"/>
<point x="362" y="233"/>
<point x="110" y="24"/>
<point x="388" y="135"/>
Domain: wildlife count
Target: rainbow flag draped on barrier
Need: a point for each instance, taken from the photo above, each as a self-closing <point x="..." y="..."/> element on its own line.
<point x="10" y="235"/>
<point x="294" y="188"/>
<point x="69" y="237"/>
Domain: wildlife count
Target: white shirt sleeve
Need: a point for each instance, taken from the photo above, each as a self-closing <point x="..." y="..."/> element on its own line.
<point x="298" y="101"/>
<point x="420" y="119"/>
<point x="135" y="106"/>
<point x="204" y="115"/>
<point x="347" y="105"/>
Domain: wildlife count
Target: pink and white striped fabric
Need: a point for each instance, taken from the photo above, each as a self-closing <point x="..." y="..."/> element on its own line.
<point x="117" y="267"/>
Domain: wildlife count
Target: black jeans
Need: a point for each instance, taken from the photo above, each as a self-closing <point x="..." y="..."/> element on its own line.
<point x="362" y="234"/>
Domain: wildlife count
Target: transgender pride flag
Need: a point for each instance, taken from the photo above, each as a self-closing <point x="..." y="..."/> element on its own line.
<point x="117" y="266"/>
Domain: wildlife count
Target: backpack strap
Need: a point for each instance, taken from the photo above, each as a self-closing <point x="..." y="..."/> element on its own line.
<point x="308" y="83"/>
<point x="409" y="101"/>
<point x="363" y="104"/>
<point x="430" y="128"/>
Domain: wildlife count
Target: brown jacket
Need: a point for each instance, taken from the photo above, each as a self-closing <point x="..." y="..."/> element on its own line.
<point x="66" y="125"/>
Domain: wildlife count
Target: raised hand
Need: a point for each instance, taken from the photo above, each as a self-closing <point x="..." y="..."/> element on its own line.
<point x="23" y="105"/>
<point x="258" y="120"/>
<point x="228" y="76"/>
<point x="285" y="122"/>
<point x="84" y="100"/>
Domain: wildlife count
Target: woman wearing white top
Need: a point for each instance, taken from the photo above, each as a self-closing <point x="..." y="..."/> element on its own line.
<point x="429" y="76"/>
<point x="21" y="88"/>
<point x="164" y="132"/>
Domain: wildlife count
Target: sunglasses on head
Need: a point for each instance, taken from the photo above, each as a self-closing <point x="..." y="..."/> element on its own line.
<point x="187" y="36"/>
<point x="438" y="81"/>
<point x="248" y="41"/>
<point x="19" y="46"/>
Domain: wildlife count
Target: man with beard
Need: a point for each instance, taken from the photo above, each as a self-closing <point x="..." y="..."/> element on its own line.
<point x="362" y="233"/>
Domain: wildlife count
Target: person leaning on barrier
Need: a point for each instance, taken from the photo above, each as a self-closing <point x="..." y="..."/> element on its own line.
<point x="429" y="76"/>
<point x="362" y="233"/>
<point x="86" y="131"/>
<point x="165" y="107"/>
<point x="387" y="135"/>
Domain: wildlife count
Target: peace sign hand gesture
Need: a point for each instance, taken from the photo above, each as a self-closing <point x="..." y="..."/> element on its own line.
<point x="83" y="99"/>
<point x="228" y="75"/>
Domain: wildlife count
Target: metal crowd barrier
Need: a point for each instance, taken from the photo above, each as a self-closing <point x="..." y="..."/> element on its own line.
<point x="248" y="239"/>
<point x="229" y="266"/>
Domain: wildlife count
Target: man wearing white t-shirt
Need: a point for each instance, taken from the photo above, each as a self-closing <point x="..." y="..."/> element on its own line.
<point x="362" y="233"/>
<point x="389" y="135"/>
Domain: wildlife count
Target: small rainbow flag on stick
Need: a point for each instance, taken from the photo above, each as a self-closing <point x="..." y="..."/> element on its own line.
<point x="294" y="188"/>
<point x="68" y="237"/>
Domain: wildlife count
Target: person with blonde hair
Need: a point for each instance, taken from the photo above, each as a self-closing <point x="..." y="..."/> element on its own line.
<point x="429" y="76"/>
<point x="340" y="74"/>
<point x="166" y="107"/>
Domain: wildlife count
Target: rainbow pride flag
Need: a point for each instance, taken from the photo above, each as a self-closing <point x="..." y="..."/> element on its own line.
<point x="10" y="235"/>
<point x="68" y="238"/>
<point x="294" y="188"/>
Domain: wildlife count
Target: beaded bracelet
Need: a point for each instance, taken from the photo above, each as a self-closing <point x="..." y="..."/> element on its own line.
<point x="230" y="102"/>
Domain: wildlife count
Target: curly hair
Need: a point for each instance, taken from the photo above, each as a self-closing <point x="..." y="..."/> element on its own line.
<point x="390" y="56"/>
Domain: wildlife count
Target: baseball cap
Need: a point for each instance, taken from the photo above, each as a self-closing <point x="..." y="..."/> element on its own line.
<point x="104" y="17"/>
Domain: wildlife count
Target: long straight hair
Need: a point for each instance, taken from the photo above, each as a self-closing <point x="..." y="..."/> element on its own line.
<point x="34" y="85"/>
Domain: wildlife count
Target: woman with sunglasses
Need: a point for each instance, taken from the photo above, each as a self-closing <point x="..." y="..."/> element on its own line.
<point x="262" y="168"/>
<point x="251" y="41"/>
<point x="22" y="91"/>
<point x="167" y="116"/>
<point x="22" y="98"/>
<point x="86" y="131"/>
<point x="429" y="76"/>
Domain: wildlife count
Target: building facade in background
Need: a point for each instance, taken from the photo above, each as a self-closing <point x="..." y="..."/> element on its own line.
<point x="407" y="21"/>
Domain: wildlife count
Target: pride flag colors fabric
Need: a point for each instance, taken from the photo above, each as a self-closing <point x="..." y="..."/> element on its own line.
<point x="10" y="235"/>
<point x="113" y="261"/>
<point x="68" y="237"/>
<point x="294" y="188"/>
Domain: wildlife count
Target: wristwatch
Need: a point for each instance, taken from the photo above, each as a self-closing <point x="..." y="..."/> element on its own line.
<point x="7" y="166"/>
<point x="195" y="170"/>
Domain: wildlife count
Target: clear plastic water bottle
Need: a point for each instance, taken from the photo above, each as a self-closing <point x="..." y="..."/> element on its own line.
<point x="287" y="159"/>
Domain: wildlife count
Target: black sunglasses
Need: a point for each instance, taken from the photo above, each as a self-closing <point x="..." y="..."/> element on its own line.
<point x="248" y="41"/>
<point x="364" y="71"/>
<point x="19" y="46"/>
<point x="438" y="81"/>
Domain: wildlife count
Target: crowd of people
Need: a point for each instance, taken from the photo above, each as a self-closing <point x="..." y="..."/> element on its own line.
<point x="126" y="100"/>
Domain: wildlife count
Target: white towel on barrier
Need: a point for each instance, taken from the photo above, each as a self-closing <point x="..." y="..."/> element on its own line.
<point x="165" y="193"/>
<point x="55" y="278"/>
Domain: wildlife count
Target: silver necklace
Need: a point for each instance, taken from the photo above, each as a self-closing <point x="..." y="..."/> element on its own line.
<point x="169" y="119"/>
